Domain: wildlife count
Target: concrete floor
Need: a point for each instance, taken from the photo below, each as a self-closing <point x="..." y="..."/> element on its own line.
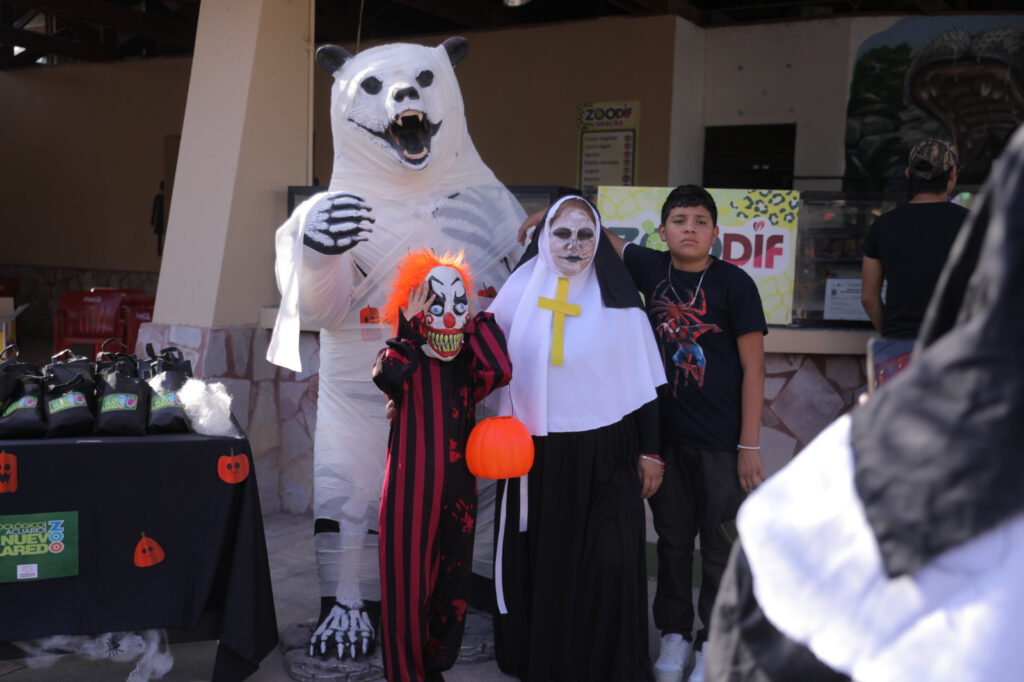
<point x="293" y="571"/>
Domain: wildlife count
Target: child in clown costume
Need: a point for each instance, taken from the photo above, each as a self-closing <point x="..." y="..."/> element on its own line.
<point x="441" y="363"/>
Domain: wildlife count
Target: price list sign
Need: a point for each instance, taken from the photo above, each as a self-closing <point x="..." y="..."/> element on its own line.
<point x="607" y="148"/>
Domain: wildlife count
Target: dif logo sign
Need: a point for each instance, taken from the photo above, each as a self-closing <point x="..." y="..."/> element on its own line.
<point x="758" y="247"/>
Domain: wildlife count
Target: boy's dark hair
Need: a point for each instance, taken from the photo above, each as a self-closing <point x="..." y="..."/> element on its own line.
<point x="936" y="183"/>
<point x="685" y="196"/>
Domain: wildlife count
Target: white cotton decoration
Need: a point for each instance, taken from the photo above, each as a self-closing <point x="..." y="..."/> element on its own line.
<point x="157" y="382"/>
<point x="150" y="647"/>
<point x="208" y="406"/>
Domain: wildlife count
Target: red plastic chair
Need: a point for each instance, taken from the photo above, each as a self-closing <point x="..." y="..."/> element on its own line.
<point x="87" y="317"/>
<point x="135" y="310"/>
<point x="123" y="291"/>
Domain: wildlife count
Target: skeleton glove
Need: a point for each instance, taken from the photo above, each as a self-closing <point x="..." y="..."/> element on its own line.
<point x="336" y="223"/>
<point x="350" y="630"/>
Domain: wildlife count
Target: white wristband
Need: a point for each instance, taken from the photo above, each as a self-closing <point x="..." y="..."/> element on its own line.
<point x="748" y="447"/>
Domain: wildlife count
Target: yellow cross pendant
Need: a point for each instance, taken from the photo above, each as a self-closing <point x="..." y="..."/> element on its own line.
<point x="561" y="307"/>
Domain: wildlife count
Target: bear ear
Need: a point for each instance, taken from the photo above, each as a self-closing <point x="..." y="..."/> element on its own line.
<point x="332" y="57"/>
<point x="457" y="49"/>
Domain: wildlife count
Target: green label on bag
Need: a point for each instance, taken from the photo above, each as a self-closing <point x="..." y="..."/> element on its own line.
<point x="119" y="401"/>
<point x="162" y="400"/>
<point x="38" y="546"/>
<point x="67" y="401"/>
<point x="21" y="403"/>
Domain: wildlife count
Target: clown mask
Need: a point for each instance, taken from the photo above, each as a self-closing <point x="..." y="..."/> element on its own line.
<point x="573" y="240"/>
<point x="445" y="318"/>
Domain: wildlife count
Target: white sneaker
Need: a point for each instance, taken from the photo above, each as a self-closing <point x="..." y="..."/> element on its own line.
<point x="674" y="652"/>
<point x="697" y="674"/>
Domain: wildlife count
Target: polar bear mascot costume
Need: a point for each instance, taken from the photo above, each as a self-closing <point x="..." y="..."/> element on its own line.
<point x="406" y="175"/>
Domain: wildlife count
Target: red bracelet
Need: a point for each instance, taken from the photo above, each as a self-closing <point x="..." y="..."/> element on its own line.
<point x="655" y="458"/>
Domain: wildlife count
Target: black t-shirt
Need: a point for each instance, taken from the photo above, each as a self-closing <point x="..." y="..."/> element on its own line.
<point x="696" y="322"/>
<point x="912" y="242"/>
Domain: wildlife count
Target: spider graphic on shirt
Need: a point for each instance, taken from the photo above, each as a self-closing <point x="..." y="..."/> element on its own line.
<point x="680" y="325"/>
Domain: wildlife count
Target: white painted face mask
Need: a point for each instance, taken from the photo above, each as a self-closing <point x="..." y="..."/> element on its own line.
<point x="446" y="317"/>
<point x="573" y="241"/>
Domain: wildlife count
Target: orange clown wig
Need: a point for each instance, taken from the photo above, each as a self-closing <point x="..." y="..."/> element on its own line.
<point x="412" y="271"/>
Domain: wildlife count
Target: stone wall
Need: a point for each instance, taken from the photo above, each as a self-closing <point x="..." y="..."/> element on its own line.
<point x="277" y="407"/>
<point x="802" y="395"/>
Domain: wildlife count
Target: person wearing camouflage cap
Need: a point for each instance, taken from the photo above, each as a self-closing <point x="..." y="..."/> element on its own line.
<point x="932" y="157"/>
<point x="907" y="247"/>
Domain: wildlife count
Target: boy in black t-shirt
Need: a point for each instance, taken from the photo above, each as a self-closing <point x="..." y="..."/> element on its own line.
<point x="709" y="324"/>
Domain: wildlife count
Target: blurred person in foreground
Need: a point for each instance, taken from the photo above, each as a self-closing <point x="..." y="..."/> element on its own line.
<point x="892" y="547"/>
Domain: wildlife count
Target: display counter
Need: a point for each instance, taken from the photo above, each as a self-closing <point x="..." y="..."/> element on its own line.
<point x="136" y="533"/>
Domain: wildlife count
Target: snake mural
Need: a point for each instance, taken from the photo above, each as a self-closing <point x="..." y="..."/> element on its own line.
<point x="960" y="78"/>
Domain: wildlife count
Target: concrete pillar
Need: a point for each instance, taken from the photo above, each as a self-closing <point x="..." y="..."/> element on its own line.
<point x="246" y="137"/>
<point x="686" y="131"/>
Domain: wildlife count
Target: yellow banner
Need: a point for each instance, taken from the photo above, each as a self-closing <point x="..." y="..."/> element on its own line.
<point x="757" y="232"/>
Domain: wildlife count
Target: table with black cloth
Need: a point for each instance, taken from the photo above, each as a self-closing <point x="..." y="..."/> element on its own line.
<point x="215" y="577"/>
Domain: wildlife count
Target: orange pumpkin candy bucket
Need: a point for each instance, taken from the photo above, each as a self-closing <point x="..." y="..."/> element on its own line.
<point x="499" y="448"/>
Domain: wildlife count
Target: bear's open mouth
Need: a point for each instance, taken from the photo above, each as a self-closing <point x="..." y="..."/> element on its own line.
<point x="410" y="133"/>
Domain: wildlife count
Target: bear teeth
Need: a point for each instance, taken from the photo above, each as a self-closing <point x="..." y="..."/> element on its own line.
<point x="408" y="113"/>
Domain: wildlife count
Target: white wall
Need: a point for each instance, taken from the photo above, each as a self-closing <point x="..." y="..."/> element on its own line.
<point x="795" y="72"/>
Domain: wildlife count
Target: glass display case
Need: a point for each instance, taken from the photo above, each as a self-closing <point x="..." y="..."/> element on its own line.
<point x="833" y="225"/>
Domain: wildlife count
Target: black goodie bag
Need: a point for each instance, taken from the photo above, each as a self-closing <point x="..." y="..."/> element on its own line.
<point x="69" y="396"/>
<point x="168" y="371"/>
<point x="122" y="397"/>
<point x="21" y="397"/>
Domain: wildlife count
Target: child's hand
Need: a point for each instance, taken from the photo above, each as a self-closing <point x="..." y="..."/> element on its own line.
<point x="531" y="222"/>
<point x="750" y="469"/>
<point x="651" y="475"/>
<point x="420" y="299"/>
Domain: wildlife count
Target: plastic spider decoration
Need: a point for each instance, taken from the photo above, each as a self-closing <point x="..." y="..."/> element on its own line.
<point x="113" y="645"/>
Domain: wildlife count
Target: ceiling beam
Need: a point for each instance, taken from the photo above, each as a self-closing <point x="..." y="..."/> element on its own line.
<point x="37" y="42"/>
<point x="469" y="14"/>
<point x="931" y="6"/>
<point x="120" y="18"/>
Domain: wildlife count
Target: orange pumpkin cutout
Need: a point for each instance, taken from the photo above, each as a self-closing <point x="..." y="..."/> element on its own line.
<point x="488" y="292"/>
<point x="370" y="316"/>
<point x="233" y="468"/>
<point x="8" y="472"/>
<point x="499" y="447"/>
<point x="148" y="552"/>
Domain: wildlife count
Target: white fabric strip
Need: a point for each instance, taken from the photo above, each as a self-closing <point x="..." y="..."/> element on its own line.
<point x="499" y="589"/>
<point x="818" y="577"/>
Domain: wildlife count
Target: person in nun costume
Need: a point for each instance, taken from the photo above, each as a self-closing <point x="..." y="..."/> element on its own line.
<point x="570" y="563"/>
<point x="892" y="547"/>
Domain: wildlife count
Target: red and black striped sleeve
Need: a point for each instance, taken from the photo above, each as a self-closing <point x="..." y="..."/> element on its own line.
<point x="491" y="367"/>
<point x="397" y="361"/>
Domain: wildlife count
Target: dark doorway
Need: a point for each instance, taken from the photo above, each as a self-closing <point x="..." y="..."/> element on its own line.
<point x="749" y="157"/>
